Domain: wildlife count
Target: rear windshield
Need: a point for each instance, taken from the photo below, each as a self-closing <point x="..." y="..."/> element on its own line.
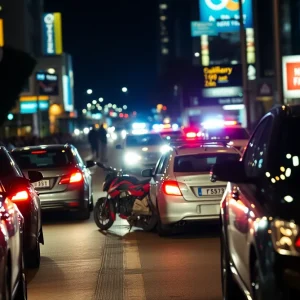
<point x="143" y="140"/>
<point x="42" y="159"/>
<point x="228" y="134"/>
<point x="201" y="163"/>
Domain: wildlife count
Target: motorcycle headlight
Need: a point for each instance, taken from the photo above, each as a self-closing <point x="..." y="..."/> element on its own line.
<point x="165" y="149"/>
<point x="285" y="237"/>
<point x="131" y="158"/>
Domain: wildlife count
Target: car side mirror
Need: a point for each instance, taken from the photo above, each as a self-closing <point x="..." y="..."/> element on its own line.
<point x="90" y="164"/>
<point x="232" y="171"/>
<point x="147" y="173"/>
<point x="119" y="147"/>
<point x="35" y="176"/>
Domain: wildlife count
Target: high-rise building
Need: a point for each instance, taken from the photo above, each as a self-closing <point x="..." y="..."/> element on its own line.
<point x="175" y="41"/>
<point x="22" y="25"/>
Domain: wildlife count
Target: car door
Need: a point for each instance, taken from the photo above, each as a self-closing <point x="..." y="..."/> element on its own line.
<point x="156" y="178"/>
<point x="243" y="203"/>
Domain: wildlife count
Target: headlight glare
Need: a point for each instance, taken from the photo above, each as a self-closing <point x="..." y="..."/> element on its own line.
<point x="131" y="158"/>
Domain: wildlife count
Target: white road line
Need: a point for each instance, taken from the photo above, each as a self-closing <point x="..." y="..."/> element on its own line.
<point x="134" y="288"/>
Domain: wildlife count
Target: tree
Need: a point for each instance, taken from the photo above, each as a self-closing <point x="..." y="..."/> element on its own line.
<point x="15" y="68"/>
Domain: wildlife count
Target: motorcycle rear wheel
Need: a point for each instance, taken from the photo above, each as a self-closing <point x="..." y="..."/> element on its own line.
<point x="103" y="215"/>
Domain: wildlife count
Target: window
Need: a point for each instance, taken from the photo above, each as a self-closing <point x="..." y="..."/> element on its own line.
<point x="143" y="140"/>
<point x="8" y="167"/>
<point x="43" y="159"/>
<point x="199" y="163"/>
<point x="256" y="152"/>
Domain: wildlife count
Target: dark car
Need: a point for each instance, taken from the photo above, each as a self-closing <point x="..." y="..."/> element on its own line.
<point x="66" y="184"/>
<point x="12" y="276"/>
<point x="260" y="212"/>
<point x="22" y="193"/>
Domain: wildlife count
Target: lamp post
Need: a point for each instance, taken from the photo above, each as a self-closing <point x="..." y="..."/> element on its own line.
<point x="244" y="65"/>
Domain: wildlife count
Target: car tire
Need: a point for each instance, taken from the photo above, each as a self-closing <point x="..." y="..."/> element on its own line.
<point x="33" y="257"/>
<point x="21" y="293"/>
<point x="163" y="230"/>
<point x="230" y="288"/>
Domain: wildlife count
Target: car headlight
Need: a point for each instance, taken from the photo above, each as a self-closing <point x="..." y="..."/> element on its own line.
<point x="131" y="158"/>
<point x="165" y="149"/>
<point x="285" y="237"/>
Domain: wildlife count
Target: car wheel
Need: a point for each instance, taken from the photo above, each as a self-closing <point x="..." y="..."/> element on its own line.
<point x="162" y="229"/>
<point x="230" y="288"/>
<point x="21" y="293"/>
<point x="33" y="257"/>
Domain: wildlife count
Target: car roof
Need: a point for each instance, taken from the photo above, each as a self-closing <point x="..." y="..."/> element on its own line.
<point x="143" y="134"/>
<point x="43" y="147"/>
<point x="205" y="150"/>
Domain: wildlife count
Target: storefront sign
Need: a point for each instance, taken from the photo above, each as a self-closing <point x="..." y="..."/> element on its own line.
<point x="291" y="76"/>
<point x="31" y="107"/>
<point x="47" y="84"/>
<point x="203" y="28"/>
<point x="225" y="13"/>
<point x="52" y="30"/>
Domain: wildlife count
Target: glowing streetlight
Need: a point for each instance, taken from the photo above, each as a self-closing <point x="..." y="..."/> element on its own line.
<point x="101" y="99"/>
<point x="89" y="91"/>
<point x="114" y="106"/>
<point x="94" y="102"/>
<point x="84" y="111"/>
<point x="124" y="106"/>
<point x="51" y="71"/>
<point x="197" y="54"/>
<point x="89" y="105"/>
<point x="124" y="89"/>
<point x="109" y="105"/>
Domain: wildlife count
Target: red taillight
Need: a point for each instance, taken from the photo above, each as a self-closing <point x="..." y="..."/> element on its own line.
<point x="75" y="177"/>
<point x="39" y="152"/>
<point x="20" y="196"/>
<point x="230" y="123"/>
<point x="191" y="135"/>
<point x="171" y="188"/>
<point x="297" y="243"/>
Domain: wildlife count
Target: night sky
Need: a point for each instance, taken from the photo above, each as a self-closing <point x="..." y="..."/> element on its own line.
<point x="113" y="44"/>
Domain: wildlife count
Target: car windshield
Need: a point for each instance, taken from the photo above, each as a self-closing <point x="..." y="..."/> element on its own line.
<point x="227" y="134"/>
<point x="201" y="162"/>
<point x="42" y="159"/>
<point x="143" y="140"/>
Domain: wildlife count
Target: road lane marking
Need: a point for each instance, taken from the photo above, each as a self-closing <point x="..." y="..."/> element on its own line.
<point x="134" y="287"/>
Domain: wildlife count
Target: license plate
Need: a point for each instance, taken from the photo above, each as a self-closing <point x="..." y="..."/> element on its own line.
<point x="210" y="191"/>
<point x="42" y="184"/>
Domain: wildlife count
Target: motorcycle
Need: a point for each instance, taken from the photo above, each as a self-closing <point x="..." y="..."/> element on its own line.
<point x="126" y="196"/>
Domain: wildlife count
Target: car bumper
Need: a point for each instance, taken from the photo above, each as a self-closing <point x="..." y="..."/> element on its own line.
<point x="175" y="209"/>
<point x="67" y="200"/>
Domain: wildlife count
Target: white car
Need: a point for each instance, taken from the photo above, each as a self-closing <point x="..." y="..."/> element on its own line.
<point x="180" y="186"/>
<point x="142" y="151"/>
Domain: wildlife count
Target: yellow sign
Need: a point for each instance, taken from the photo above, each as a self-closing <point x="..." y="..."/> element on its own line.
<point x="58" y="33"/>
<point x="33" y="98"/>
<point x="216" y="74"/>
<point x="1" y="33"/>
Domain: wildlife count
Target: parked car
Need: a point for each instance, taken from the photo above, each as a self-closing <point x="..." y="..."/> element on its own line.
<point x="180" y="188"/>
<point x="66" y="183"/>
<point x="23" y="194"/>
<point x="260" y="212"/>
<point x="12" y="275"/>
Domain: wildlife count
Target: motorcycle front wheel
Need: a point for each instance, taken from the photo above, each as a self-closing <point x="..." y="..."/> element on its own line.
<point x="103" y="214"/>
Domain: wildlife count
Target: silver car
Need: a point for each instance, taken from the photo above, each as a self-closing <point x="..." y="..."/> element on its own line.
<point x="66" y="184"/>
<point x="180" y="186"/>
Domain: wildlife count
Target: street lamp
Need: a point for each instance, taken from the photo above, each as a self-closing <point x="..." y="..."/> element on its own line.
<point x="101" y="99"/>
<point x="124" y="106"/>
<point x="197" y="54"/>
<point x="89" y="91"/>
<point x="124" y="89"/>
<point x="51" y="71"/>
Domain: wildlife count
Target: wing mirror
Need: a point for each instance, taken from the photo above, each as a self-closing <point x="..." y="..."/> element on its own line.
<point x="90" y="164"/>
<point x="147" y="173"/>
<point x="229" y="171"/>
<point x="35" y="176"/>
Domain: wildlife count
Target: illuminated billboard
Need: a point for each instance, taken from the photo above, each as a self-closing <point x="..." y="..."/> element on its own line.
<point x="47" y="84"/>
<point x="29" y="107"/>
<point x="52" y="31"/>
<point x="225" y="13"/>
<point x="221" y="85"/>
<point x="291" y="76"/>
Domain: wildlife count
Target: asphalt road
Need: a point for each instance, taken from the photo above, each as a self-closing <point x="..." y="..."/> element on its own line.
<point x="80" y="263"/>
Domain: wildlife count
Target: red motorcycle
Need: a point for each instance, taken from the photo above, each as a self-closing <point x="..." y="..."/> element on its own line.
<point x="126" y="196"/>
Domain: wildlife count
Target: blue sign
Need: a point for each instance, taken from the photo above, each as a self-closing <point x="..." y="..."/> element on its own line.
<point x="203" y="28"/>
<point x="29" y="107"/>
<point x="225" y="14"/>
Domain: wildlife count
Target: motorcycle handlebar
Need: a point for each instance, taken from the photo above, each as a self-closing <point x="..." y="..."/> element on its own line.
<point x="102" y="166"/>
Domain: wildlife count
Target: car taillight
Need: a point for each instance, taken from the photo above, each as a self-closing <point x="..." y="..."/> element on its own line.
<point x="75" y="177"/>
<point x="297" y="243"/>
<point x="20" y="196"/>
<point x="191" y="135"/>
<point x="171" y="188"/>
